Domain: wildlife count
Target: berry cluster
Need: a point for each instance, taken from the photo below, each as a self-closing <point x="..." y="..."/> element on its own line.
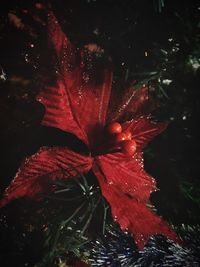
<point x="122" y="138"/>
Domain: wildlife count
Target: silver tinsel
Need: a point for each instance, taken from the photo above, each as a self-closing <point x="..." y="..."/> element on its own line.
<point x="117" y="249"/>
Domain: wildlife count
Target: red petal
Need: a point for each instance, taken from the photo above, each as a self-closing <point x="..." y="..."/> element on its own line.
<point x="74" y="104"/>
<point x="127" y="175"/>
<point x="130" y="212"/>
<point x="130" y="103"/>
<point x="63" y="48"/>
<point x="144" y="130"/>
<point x="58" y="110"/>
<point x="38" y="171"/>
<point x="89" y="103"/>
<point x="135" y="217"/>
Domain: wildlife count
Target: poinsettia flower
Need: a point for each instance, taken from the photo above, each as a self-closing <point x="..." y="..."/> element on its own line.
<point x="84" y="106"/>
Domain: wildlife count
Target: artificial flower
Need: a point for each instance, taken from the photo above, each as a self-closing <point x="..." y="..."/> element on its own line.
<point x="82" y="103"/>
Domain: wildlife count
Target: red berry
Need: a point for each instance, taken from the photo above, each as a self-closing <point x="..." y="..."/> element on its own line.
<point x="114" y="128"/>
<point x="128" y="135"/>
<point x="129" y="147"/>
<point x="120" y="138"/>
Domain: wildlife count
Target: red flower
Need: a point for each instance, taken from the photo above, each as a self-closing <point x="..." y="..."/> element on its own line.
<point x="79" y="105"/>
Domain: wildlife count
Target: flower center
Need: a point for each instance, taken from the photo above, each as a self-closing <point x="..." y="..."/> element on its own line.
<point x="116" y="139"/>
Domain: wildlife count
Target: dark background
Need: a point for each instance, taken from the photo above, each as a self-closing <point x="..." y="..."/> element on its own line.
<point x="142" y="37"/>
